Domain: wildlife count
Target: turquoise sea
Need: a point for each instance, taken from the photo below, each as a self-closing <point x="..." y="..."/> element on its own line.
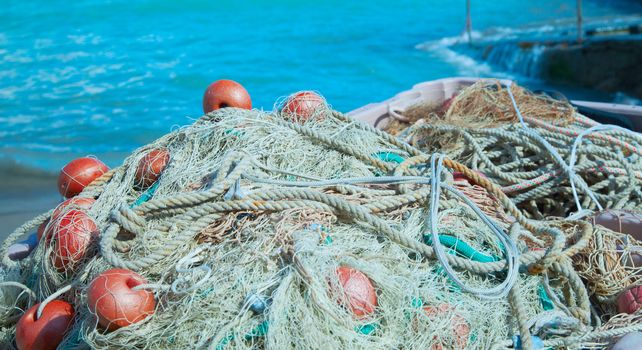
<point x="104" y="77"/>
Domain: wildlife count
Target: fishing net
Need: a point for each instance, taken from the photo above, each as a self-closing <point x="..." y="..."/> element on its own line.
<point x="532" y="146"/>
<point x="248" y="235"/>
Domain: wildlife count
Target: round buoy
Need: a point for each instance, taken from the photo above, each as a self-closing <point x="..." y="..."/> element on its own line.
<point x="459" y="328"/>
<point x="622" y="221"/>
<point x="73" y="233"/>
<point x="42" y="228"/>
<point x="79" y="173"/>
<point x="630" y="300"/>
<point x="150" y="167"/>
<point x="357" y="291"/>
<point x="46" y="332"/>
<point x="115" y="304"/>
<point x="459" y="176"/>
<point x="81" y="204"/>
<point x="226" y="93"/>
<point x="73" y="203"/>
<point x="301" y="106"/>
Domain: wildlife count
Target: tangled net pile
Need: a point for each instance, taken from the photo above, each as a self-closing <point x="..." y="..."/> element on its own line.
<point x="242" y="237"/>
<point x="530" y="145"/>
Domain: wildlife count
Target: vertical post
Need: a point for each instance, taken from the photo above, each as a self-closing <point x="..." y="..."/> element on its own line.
<point x="580" y="32"/>
<point x="469" y="23"/>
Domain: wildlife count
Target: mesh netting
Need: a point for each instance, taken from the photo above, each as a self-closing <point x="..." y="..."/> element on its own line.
<point x="239" y="224"/>
<point x="480" y="126"/>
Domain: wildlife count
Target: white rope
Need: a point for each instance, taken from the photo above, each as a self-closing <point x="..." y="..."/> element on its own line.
<point x="573" y="155"/>
<point x="50" y="298"/>
<point x="510" y="249"/>
<point x="568" y="168"/>
<point x="344" y="181"/>
<point x="185" y="266"/>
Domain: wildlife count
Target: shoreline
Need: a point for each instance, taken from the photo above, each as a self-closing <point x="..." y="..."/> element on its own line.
<point x="24" y="194"/>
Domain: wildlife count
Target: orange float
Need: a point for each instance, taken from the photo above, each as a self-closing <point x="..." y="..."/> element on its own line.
<point x="301" y="106"/>
<point x="459" y="330"/>
<point x="459" y="176"/>
<point x="46" y="332"/>
<point x="112" y="300"/>
<point x="73" y="234"/>
<point x="226" y="93"/>
<point x="357" y="291"/>
<point x="79" y="173"/>
<point x="630" y="300"/>
<point x="150" y="167"/>
<point x="73" y="203"/>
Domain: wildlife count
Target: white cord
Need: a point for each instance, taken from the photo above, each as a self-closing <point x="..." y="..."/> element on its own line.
<point x="344" y="181"/>
<point x="511" y="252"/>
<point x="576" y="144"/>
<point x="183" y="266"/>
<point x="568" y="168"/>
<point x="53" y="296"/>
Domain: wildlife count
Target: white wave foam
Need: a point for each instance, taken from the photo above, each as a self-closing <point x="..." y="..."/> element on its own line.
<point x="94" y="70"/>
<point x="63" y="57"/>
<point x="11" y="74"/>
<point x="46" y="147"/>
<point x="150" y="38"/>
<point x="18" y="119"/>
<point x="42" y="43"/>
<point x="9" y="92"/>
<point x="466" y="65"/>
<point x="19" y="56"/>
<point x="164" y="65"/>
<point x="136" y="79"/>
<point x="90" y="38"/>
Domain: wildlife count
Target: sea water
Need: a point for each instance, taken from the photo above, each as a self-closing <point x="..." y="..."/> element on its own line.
<point x="104" y="77"/>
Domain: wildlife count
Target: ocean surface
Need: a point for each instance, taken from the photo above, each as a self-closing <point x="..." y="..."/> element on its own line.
<point x="104" y="77"/>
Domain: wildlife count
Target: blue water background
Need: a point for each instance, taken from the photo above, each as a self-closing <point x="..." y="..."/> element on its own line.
<point x="104" y="77"/>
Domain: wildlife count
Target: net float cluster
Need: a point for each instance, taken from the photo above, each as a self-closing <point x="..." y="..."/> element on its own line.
<point x="118" y="297"/>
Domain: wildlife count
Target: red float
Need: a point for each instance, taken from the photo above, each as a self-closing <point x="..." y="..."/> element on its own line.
<point x="357" y="291"/>
<point x="112" y="300"/>
<point x="630" y="300"/>
<point x="624" y="221"/>
<point x="79" y="173"/>
<point x="150" y="167"/>
<point x="226" y="93"/>
<point x="62" y="208"/>
<point x="73" y="203"/>
<point x="459" y="176"/>
<point x="73" y="234"/>
<point x="46" y="332"/>
<point x="301" y="106"/>
<point x="459" y="328"/>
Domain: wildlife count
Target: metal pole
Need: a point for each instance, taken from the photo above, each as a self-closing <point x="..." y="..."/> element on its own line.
<point x="469" y="23"/>
<point x="580" y="32"/>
